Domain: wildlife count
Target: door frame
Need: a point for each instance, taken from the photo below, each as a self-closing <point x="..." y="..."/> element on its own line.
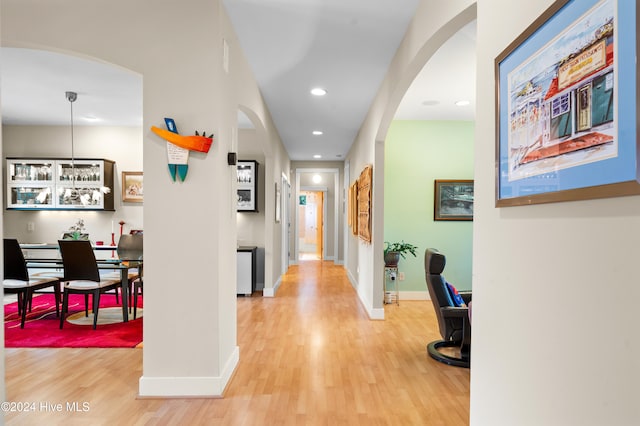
<point x="324" y="191"/>
<point x="334" y="213"/>
<point x="285" y="203"/>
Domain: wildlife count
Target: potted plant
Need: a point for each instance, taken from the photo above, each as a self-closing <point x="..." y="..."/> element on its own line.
<point x="393" y="251"/>
<point x="76" y="232"/>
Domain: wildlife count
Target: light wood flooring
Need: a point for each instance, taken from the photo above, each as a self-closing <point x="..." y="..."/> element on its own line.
<point x="309" y="356"/>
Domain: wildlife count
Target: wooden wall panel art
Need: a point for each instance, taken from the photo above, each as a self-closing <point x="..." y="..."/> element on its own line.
<point x="364" y="204"/>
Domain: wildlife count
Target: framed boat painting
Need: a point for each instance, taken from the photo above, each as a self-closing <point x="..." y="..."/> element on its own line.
<point x="566" y="102"/>
<point x="453" y="199"/>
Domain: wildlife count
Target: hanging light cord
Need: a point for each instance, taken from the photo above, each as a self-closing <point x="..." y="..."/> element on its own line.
<point x="72" y="96"/>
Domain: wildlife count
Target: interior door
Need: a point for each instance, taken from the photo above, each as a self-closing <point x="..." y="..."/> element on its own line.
<point x="310" y="219"/>
<point x="319" y="223"/>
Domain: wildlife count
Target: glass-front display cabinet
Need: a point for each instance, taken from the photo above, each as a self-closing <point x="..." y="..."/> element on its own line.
<point x="59" y="184"/>
<point x="34" y="197"/>
<point x="30" y="171"/>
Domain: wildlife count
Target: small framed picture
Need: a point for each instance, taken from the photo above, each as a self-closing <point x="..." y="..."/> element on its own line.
<point x="132" y="188"/>
<point x="453" y="200"/>
<point x="247" y="190"/>
<point x="278" y="202"/>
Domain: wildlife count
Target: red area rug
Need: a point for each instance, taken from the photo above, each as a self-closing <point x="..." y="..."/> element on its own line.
<point x="42" y="328"/>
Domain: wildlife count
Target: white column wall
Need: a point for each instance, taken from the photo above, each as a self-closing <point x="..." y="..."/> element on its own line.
<point x="434" y="22"/>
<point x="190" y="316"/>
<point x="555" y="286"/>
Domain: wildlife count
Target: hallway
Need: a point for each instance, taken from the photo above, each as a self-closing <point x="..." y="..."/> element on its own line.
<point x="308" y="356"/>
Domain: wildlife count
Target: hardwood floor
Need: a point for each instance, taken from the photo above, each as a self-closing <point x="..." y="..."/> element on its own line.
<point x="308" y="356"/>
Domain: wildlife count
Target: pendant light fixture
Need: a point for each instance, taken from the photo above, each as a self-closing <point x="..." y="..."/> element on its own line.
<point x="86" y="196"/>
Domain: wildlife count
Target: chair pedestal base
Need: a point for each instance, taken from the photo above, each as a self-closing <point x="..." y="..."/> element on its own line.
<point x="463" y="361"/>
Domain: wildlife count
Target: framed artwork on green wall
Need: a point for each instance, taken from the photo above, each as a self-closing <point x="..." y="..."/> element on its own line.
<point x="453" y="199"/>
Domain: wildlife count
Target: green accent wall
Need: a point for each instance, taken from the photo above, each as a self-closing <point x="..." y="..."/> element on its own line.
<point x="416" y="154"/>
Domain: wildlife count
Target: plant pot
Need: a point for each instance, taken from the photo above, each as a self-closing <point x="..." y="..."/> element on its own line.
<point x="391" y="258"/>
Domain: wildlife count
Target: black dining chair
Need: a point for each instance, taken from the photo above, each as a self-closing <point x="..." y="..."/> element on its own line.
<point x="137" y="291"/>
<point x="130" y="249"/>
<point x="82" y="276"/>
<point x="17" y="280"/>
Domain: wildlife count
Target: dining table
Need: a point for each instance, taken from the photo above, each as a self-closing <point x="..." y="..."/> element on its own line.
<point x="56" y="268"/>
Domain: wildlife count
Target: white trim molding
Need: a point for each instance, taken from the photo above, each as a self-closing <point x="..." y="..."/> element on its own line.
<point x="172" y="387"/>
<point x="271" y="292"/>
<point x="414" y="295"/>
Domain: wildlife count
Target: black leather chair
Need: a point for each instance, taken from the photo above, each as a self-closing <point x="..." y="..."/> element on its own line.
<point x="17" y="280"/>
<point x="454" y="322"/>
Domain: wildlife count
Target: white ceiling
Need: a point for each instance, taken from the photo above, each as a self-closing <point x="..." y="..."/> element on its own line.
<point x="33" y="85"/>
<point x="292" y="46"/>
<point x="448" y="77"/>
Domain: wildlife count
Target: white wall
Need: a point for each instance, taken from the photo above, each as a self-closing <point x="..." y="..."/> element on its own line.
<point x="190" y="234"/>
<point x="260" y="229"/>
<point x="554" y="323"/>
<point x="251" y="225"/>
<point x="120" y="144"/>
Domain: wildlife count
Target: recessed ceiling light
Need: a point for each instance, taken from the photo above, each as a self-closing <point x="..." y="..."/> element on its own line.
<point x="318" y="91"/>
<point x="430" y="102"/>
<point x="317" y="156"/>
<point x="317" y="132"/>
<point x="317" y="178"/>
<point x="462" y="103"/>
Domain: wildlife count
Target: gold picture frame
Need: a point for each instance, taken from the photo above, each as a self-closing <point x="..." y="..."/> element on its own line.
<point x="132" y="187"/>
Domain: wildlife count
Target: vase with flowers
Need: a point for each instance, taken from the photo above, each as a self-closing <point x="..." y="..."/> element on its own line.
<point x="76" y="231"/>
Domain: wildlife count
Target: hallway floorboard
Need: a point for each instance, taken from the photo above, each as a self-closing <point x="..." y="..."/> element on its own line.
<point x="308" y="356"/>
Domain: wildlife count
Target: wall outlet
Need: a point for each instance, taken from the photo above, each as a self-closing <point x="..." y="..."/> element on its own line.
<point x="31" y="226"/>
<point x="400" y="276"/>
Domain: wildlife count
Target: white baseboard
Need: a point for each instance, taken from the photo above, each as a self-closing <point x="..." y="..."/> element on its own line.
<point x="352" y="280"/>
<point x="414" y="295"/>
<point x="268" y="292"/>
<point x="374" y="314"/>
<point x="271" y="292"/>
<point x="171" y="387"/>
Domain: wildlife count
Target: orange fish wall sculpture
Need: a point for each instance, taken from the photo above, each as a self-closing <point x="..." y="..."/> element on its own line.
<point x="178" y="147"/>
